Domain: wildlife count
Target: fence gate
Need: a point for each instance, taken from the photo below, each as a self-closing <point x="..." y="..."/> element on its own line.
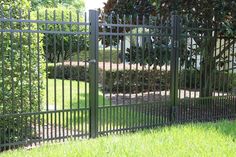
<point x="66" y="75"/>
<point x="133" y="58"/>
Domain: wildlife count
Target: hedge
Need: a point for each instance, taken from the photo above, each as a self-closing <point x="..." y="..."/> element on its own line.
<point x="21" y="75"/>
<point x="136" y="81"/>
<point x="141" y="81"/>
<point x="128" y="81"/>
<point x="106" y="56"/>
<point x="68" y="72"/>
<point x="221" y="81"/>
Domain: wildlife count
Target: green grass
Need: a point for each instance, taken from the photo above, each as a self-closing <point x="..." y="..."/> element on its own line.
<point x="108" y="118"/>
<point x="206" y="139"/>
<point x="78" y="93"/>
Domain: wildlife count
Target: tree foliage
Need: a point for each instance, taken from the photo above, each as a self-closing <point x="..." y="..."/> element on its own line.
<point x="59" y="47"/>
<point x="137" y="13"/>
<point x="78" y="4"/>
<point x="207" y="13"/>
<point x="206" y="21"/>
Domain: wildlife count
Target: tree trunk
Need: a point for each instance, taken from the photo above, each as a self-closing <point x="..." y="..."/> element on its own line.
<point x="206" y="80"/>
<point x="207" y="67"/>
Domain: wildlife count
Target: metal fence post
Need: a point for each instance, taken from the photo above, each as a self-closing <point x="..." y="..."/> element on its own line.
<point x="174" y="65"/>
<point x="93" y="73"/>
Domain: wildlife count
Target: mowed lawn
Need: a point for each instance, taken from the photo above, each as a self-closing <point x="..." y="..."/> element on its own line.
<point x="76" y="96"/>
<point x="206" y="139"/>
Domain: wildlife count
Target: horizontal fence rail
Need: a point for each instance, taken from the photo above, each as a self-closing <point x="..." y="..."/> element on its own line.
<point x="67" y="75"/>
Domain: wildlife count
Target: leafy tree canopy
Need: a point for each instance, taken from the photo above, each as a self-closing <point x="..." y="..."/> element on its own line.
<point x="207" y="13"/>
<point x="206" y="21"/>
<point x="78" y="4"/>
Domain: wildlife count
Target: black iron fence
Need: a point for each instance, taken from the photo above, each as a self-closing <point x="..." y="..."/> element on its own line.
<point x="66" y="75"/>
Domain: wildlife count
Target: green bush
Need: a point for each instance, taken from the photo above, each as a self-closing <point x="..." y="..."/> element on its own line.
<point x="220" y="81"/>
<point x="136" y="81"/>
<point x="21" y="75"/>
<point x="60" y="47"/>
<point x="128" y="81"/>
<point x="223" y="81"/>
<point x="68" y="72"/>
<point x="143" y="81"/>
<point x="189" y="79"/>
<point x="102" y="56"/>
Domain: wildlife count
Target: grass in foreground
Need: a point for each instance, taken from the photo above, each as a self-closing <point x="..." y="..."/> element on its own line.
<point x="206" y="139"/>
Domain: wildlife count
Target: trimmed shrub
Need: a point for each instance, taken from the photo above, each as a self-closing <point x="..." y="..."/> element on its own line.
<point x="189" y="79"/>
<point x="105" y="56"/>
<point x="220" y="81"/>
<point x="115" y="81"/>
<point x="22" y="72"/>
<point x="136" y="81"/>
<point x="141" y="81"/>
<point x="68" y="72"/>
